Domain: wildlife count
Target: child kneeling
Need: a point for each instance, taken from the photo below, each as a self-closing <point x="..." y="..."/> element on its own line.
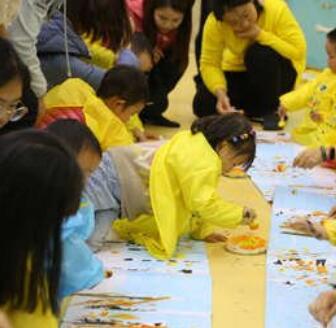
<point x="169" y="189"/>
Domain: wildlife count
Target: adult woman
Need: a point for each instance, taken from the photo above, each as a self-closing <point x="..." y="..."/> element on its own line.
<point x="264" y="54"/>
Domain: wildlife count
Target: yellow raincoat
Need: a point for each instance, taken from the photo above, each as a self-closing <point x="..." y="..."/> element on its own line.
<point x="320" y="96"/>
<point x="106" y="126"/>
<point x="183" y="183"/>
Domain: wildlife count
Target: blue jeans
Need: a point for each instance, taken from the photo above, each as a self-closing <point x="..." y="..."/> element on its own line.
<point x="55" y="70"/>
<point x="103" y="191"/>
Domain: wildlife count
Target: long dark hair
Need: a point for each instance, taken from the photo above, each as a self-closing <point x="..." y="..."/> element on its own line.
<point x="180" y="50"/>
<point x="41" y="185"/>
<point x="220" y="7"/>
<point x="231" y="127"/>
<point x="105" y="20"/>
<point x="75" y="135"/>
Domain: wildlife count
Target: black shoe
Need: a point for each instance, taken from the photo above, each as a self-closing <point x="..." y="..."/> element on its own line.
<point x="256" y="119"/>
<point x="161" y="121"/>
<point x="271" y="122"/>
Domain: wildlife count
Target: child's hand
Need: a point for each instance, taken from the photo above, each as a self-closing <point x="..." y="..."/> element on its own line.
<point x="215" y="238"/>
<point x="157" y="55"/>
<point x="143" y="136"/>
<point x="309" y="158"/>
<point x="305" y="226"/>
<point x="282" y="112"/>
<point x="323" y="308"/>
<point x="316" y="117"/>
<point x="249" y="214"/>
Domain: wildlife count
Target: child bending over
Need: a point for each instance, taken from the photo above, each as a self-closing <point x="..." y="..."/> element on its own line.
<point x="111" y="113"/>
<point x="319" y="125"/>
<point x="169" y="189"/>
<point x="80" y="268"/>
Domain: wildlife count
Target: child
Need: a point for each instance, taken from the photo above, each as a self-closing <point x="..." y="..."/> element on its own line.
<point x="167" y="25"/>
<point x="319" y="125"/>
<point x="170" y="189"/>
<point x="110" y="113"/>
<point x="15" y="95"/>
<point x="253" y="51"/>
<point x="35" y="199"/>
<point x="139" y="55"/>
<point x="80" y="268"/>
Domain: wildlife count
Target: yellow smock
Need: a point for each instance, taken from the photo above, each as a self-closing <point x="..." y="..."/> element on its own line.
<point x="222" y="50"/>
<point x="183" y="183"/>
<point x="319" y="96"/>
<point x="106" y="126"/>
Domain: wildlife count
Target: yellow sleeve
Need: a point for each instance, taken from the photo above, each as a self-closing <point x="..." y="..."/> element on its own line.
<point x="330" y="227"/>
<point x="289" y="40"/>
<point x="298" y="98"/>
<point x="200" y="230"/>
<point x="213" y="45"/>
<point x="100" y="55"/>
<point x="135" y="123"/>
<point x="200" y="193"/>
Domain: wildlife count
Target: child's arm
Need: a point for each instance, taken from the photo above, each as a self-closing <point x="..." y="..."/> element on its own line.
<point x="298" y="99"/>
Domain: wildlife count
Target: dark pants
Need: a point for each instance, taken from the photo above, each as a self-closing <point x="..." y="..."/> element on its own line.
<point x="161" y="81"/>
<point x="257" y="90"/>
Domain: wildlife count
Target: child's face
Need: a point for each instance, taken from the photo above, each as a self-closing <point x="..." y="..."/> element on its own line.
<point x="88" y="160"/>
<point x="229" y="158"/>
<point x="146" y="61"/>
<point x="167" y="19"/>
<point x="10" y="95"/>
<point x="331" y="52"/>
<point x="242" y="18"/>
<point x="128" y="111"/>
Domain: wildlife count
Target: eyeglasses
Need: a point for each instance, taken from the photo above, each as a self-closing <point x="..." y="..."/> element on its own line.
<point x="13" y="112"/>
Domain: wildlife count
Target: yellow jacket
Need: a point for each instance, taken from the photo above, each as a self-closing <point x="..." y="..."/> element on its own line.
<point x="279" y="30"/>
<point x="319" y="96"/>
<point x="107" y="127"/>
<point x="183" y="183"/>
<point x="100" y="55"/>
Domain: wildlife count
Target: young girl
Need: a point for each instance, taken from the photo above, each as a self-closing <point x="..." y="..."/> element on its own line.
<point x="167" y="24"/>
<point x="18" y="105"/>
<point x="80" y="267"/>
<point x="35" y="199"/>
<point x="170" y="189"/>
<point x="111" y="113"/>
<point x="253" y="51"/>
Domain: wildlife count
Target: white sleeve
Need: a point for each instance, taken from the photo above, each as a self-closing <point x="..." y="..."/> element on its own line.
<point x="24" y="32"/>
